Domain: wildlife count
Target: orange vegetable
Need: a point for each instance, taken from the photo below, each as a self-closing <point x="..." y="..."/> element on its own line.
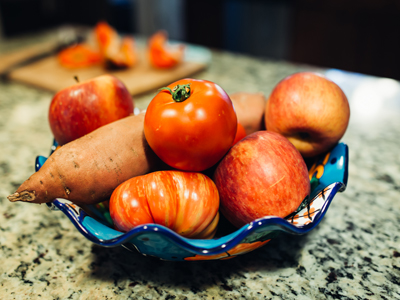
<point x="117" y="52"/>
<point x="106" y="37"/>
<point x="190" y="124"/>
<point x="185" y="202"/>
<point x="79" y="56"/>
<point x="87" y="170"/>
<point x="250" y="108"/>
<point x="162" y="55"/>
<point x="128" y="51"/>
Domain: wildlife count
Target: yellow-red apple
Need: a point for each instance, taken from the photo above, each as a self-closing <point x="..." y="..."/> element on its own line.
<point x="83" y="107"/>
<point x="261" y="175"/>
<point x="310" y="110"/>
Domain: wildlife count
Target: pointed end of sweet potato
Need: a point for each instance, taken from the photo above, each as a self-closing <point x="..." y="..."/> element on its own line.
<point x="25" y="196"/>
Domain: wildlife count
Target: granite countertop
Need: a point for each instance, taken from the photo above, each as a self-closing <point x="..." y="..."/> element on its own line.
<point x="354" y="253"/>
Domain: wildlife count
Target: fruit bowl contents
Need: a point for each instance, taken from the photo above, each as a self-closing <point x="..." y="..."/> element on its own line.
<point x="328" y="175"/>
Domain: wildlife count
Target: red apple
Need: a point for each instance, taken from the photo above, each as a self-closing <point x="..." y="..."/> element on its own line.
<point x="83" y="107"/>
<point x="310" y="110"/>
<point x="261" y="175"/>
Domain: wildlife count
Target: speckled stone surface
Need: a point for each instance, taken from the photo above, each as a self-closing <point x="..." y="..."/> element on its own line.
<point x="354" y="253"/>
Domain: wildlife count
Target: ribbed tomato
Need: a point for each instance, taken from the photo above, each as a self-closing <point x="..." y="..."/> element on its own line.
<point x="185" y="202"/>
<point x="191" y="124"/>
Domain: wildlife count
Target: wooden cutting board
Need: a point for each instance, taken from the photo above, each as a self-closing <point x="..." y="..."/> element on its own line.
<point x="50" y="75"/>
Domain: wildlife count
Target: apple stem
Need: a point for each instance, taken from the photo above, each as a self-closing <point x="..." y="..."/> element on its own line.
<point x="179" y="93"/>
<point x="76" y="78"/>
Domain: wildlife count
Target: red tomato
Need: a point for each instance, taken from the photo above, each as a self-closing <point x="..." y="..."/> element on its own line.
<point x="185" y="202"/>
<point x="162" y="55"/>
<point x="194" y="133"/>
<point x="240" y="133"/>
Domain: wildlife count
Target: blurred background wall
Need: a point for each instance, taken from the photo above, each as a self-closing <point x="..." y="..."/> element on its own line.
<point x="354" y="35"/>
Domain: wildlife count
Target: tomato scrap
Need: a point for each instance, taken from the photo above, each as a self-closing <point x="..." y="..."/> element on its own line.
<point x="113" y="51"/>
<point x="117" y="52"/>
<point x="185" y="202"/>
<point x="191" y="124"/>
<point x="79" y="56"/>
<point x="161" y="54"/>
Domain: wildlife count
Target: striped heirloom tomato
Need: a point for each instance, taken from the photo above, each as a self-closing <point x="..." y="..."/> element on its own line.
<point x="185" y="202"/>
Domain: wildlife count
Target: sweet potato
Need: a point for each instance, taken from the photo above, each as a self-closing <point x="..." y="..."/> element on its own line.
<point x="250" y="108"/>
<point x="87" y="170"/>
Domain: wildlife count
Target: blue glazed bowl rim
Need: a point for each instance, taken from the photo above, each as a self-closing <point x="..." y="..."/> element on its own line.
<point x="207" y="247"/>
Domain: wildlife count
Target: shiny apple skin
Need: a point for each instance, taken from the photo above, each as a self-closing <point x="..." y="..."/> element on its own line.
<point x="83" y="107"/>
<point x="310" y="110"/>
<point x="262" y="175"/>
<point x="185" y="202"/>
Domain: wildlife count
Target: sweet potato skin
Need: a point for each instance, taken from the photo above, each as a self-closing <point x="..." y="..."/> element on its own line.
<point x="87" y="170"/>
<point x="250" y="109"/>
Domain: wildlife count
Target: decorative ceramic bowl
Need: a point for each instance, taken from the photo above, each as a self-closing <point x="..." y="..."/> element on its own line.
<point x="328" y="175"/>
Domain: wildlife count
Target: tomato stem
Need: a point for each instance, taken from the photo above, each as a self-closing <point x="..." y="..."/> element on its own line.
<point x="180" y="92"/>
